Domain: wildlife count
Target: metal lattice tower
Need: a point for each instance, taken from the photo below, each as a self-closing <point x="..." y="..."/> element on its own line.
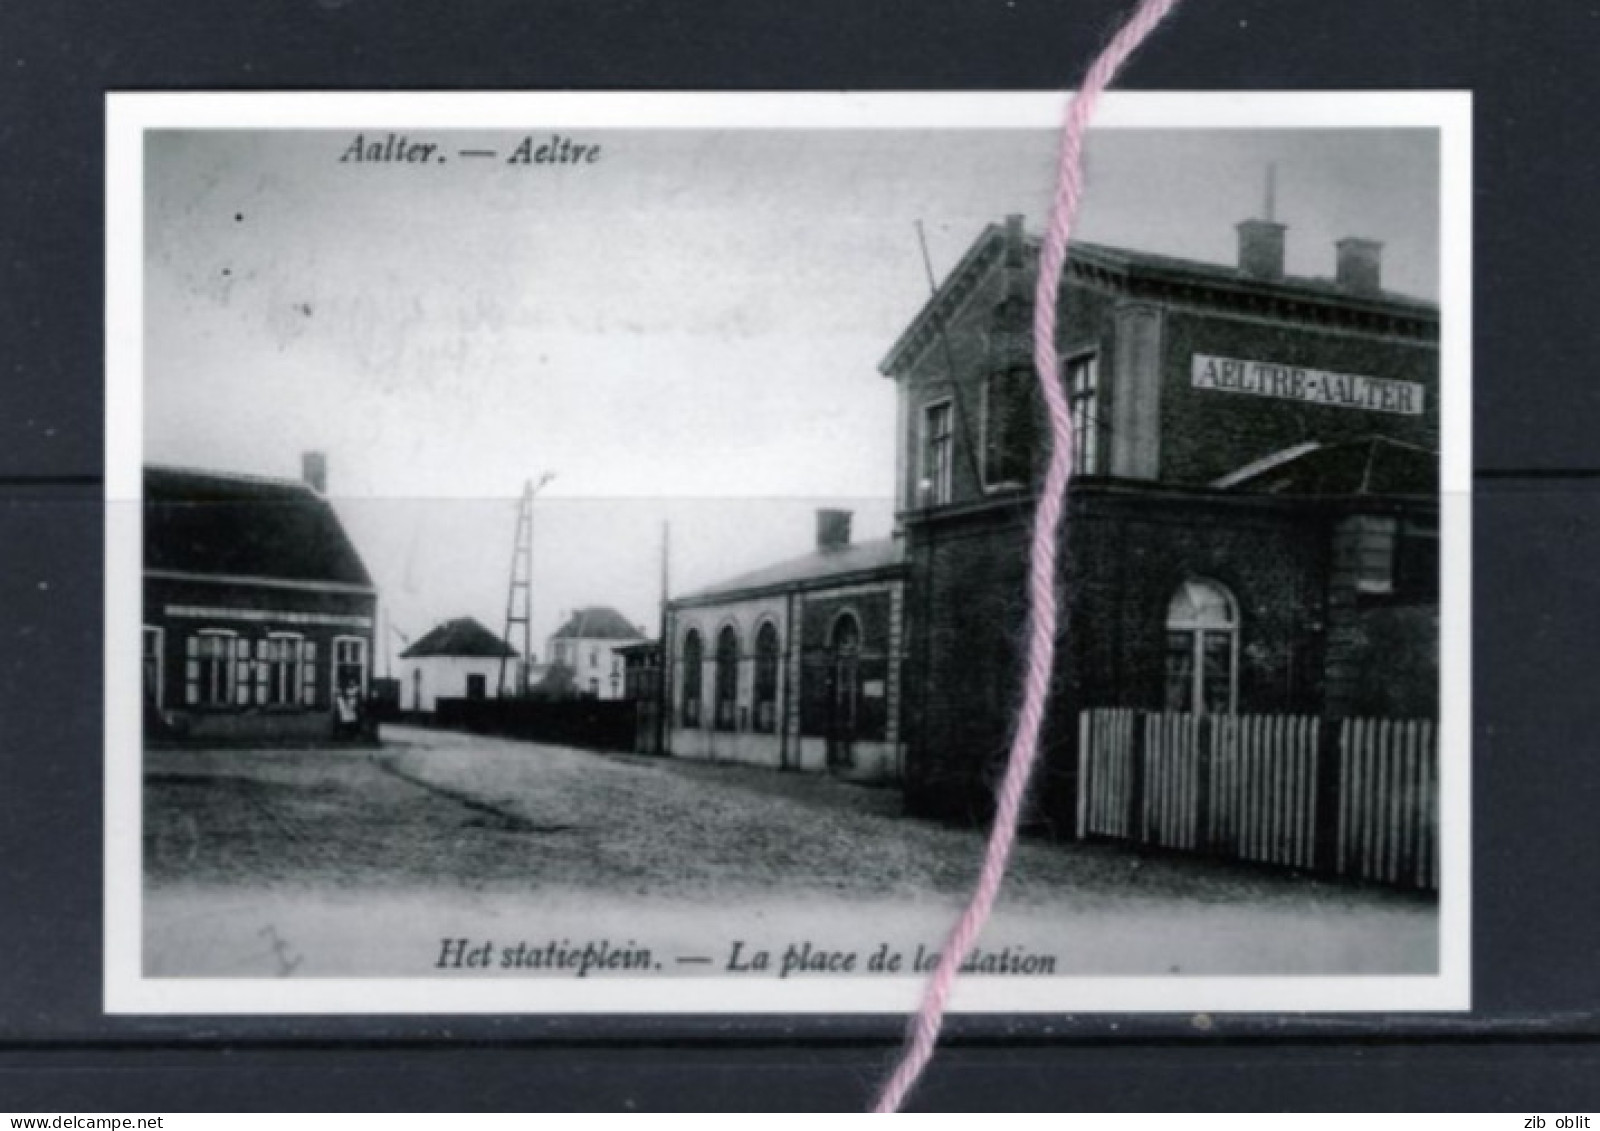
<point x="519" y="597"/>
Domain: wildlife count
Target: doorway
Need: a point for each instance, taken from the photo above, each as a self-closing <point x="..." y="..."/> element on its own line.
<point x="844" y="700"/>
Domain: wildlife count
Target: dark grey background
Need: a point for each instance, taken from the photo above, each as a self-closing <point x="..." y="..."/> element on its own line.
<point x="1530" y="1043"/>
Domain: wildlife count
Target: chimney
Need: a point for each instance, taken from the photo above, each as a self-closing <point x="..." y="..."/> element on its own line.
<point x="1014" y="240"/>
<point x="1261" y="249"/>
<point x="1360" y="265"/>
<point x="833" y="529"/>
<point x="314" y="470"/>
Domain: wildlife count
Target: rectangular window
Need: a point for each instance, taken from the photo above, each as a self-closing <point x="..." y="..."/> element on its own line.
<point x="350" y="664"/>
<point x="280" y="673"/>
<point x="938" y="450"/>
<point x="214" y="668"/>
<point x="153" y="691"/>
<point x="1082" y="380"/>
<point x="1375" y="554"/>
<point x="1010" y="420"/>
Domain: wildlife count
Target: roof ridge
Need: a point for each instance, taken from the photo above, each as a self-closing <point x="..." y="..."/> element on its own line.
<point x="241" y="476"/>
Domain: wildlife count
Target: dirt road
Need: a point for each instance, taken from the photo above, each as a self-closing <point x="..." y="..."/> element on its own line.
<point x="365" y="860"/>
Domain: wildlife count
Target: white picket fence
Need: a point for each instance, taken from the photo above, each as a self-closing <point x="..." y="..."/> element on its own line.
<point x="1355" y="797"/>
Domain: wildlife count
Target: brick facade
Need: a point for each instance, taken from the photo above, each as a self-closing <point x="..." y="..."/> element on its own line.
<point x="831" y="699"/>
<point x="1270" y="498"/>
<point x="257" y="611"/>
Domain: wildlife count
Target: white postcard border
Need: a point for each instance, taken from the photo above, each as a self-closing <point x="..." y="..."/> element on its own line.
<point x="129" y="115"/>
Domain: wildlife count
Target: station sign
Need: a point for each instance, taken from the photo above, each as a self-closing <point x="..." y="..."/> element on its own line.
<point x="1309" y="386"/>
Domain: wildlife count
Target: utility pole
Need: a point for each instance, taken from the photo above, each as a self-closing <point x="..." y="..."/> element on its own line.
<point x="664" y="649"/>
<point x="519" y="612"/>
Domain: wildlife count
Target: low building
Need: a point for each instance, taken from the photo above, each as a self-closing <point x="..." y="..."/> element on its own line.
<point x="588" y="645"/>
<point x="641" y="686"/>
<point x="459" y="659"/>
<point x="795" y="666"/>
<point x="258" y="610"/>
<point x="1253" y="526"/>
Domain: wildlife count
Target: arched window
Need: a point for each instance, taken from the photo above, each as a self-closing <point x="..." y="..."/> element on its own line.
<point x="1202" y="649"/>
<point x="693" y="671"/>
<point x="767" y="678"/>
<point x="727" y="717"/>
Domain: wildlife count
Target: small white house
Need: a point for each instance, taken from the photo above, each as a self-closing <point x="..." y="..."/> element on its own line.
<point x="587" y="644"/>
<point x="459" y="659"/>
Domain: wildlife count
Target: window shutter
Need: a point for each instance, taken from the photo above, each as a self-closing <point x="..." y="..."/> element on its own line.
<point x="308" y="673"/>
<point x="264" y="650"/>
<point x="241" y="654"/>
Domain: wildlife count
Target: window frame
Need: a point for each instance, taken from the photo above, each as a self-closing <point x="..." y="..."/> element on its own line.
<point x="940" y="492"/>
<point x="842" y="662"/>
<point x="690" y="706"/>
<point x="766" y="686"/>
<point x="726" y="679"/>
<point x="231" y="665"/>
<point x="1085" y="432"/>
<point x="335" y="663"/>
<point x="293" y="668"/>
<point x="1197" y="631"/>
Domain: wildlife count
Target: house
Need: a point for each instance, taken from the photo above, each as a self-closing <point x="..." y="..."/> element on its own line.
<point x="588" y="643"/>
<point x="797" y="665"/>
<point x="1253" y="526"/>
<point x="459" y="659"/>
<point x="257" y="608"/>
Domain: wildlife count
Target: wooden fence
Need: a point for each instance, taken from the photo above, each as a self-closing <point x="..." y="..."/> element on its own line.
<point x="1352" y="797"/>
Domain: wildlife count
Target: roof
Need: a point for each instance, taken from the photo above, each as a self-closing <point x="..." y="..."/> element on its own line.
<point x="818" y="566"/>
<point x="1375" y="465"/>
<point x="1149" y="263"/>
<point x="988" y="249"/>
<point x="597" y="623"/>
<point x="464" y="636"/>
<point x="211" y="522"/>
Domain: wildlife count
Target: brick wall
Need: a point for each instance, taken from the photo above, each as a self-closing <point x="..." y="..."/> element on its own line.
<point x="976" y="341"/>
<point x="1128" y="552"/>
<point x="1383" y="642"/>
<point x="181" y="609"/>
<point x="1205" y="433"/>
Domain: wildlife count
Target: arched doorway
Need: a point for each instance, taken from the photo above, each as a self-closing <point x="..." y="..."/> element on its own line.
<point x="766" y="679"/>
<point x="727" y="689"/>
<point x="844" y="658"/>
<point x="693" y="672"/>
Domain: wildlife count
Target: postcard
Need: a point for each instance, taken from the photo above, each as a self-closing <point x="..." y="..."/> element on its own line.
<point x="566" y="552"/>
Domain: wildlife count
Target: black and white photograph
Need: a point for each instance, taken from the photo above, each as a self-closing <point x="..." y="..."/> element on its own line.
<point x="568" y="553"/>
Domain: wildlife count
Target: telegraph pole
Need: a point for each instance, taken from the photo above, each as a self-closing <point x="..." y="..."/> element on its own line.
<point x="663" y="684"/>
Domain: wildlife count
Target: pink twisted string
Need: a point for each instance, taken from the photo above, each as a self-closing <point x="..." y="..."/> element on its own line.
<point x="923" y="1032"/>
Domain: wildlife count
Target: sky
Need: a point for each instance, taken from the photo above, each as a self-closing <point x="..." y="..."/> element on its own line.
<point x="684" y="332"/>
